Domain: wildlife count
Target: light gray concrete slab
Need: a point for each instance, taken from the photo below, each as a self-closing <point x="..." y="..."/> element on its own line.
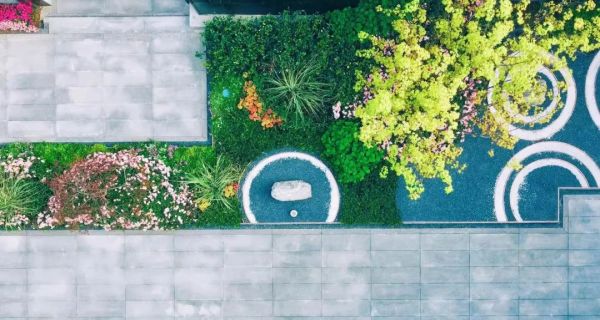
<point x="303" y="274"/>
<point x="263" y="291"/>
<point x="119" y="8"/>
<point x="108" y="71"/>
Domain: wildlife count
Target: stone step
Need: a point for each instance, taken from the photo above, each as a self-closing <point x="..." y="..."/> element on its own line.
<point x="152" y="24"/>
<point x="75" y="8"/>
<point x="197" y="20"/>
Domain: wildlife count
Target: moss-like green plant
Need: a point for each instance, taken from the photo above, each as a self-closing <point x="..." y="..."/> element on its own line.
<point x="59" y="156"/>
<point x="351" y="159"/>
<point x="371" y="201"/>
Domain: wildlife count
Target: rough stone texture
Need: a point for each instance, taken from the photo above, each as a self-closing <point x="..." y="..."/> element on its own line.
<point x="293" y="190"/>
<point x="108" y="71"/>
<point x="307" y="273"/>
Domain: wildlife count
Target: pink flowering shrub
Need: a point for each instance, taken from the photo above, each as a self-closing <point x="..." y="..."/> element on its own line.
<point x="18" y="167"/>
<point x="123" y="190"/>
<point x="19" y="26"/>
<point x="17" y="17"/>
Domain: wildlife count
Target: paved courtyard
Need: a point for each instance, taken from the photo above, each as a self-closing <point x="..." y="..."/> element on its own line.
<point x="308" y="274"/>
<point x="107" y="71"/>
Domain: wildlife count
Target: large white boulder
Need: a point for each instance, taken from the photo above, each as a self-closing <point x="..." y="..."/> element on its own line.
<point x="292" y="190"/>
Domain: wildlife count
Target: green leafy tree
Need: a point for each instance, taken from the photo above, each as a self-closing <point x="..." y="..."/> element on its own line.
<point x="427" y="87"/>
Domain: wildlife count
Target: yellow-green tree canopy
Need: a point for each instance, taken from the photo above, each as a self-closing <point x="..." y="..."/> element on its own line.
<point x="428" y="86"/>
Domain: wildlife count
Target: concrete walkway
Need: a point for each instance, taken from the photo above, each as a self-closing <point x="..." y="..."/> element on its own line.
<point x="107" y="71"/>
<point x="308" y="274"/>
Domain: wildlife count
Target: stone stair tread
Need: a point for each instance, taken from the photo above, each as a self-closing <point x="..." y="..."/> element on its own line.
<point x="70" y="8"/>
<point x="154" y="24"/>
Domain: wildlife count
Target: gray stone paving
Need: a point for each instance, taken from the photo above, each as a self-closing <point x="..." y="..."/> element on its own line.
<point x="119" y="7"/>
<point x="307" y="274"/>
<point x="127" y="74"/>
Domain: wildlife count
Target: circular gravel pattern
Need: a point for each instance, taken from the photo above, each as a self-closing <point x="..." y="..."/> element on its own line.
<point x="534" y="149"/>
<point x="549" y="129"/>
<point x="590" y="90"/>
<point x="260" y="207"/>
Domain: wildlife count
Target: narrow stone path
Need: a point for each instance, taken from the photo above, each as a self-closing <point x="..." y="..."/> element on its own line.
<point x="307" y="274"/>
<point x="108" y="71"/>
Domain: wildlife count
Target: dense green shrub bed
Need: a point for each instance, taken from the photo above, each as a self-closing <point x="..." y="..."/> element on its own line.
<point x="299" y="67"/>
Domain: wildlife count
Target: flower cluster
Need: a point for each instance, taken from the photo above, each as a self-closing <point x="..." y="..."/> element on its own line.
<point x="19" y="26"/>
<point x="203" y="204"/>
<point x="122" y="190"/>
<point x="17" y="221"/>
<point x="344" y="112"/>
<point x="231" y="190"/>
<point x="18" y="167"/>
<point x="17" y="17"/>
<point x="22" y="11"/>
<point x="251" y="102"/>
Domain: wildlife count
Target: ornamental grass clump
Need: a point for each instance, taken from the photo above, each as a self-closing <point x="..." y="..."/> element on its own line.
<point x="299" y="91"/>
<point x="18" y="201"/>
<point x="22" y="197"/>
<point x="214" y="183"/>
<point x="123" y="190"/>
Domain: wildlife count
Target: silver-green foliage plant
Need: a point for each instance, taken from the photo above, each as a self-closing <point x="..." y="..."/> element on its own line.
<point x="209" y="182"/>
<point x="19" y="199"/>
<point x="298" y="90"/>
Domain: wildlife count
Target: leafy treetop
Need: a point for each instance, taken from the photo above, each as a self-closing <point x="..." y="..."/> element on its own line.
<point x="428" y="84"/>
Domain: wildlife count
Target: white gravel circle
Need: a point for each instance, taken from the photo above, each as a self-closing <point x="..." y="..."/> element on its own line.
<point x="538" y="148"/>
<point x="555" y="126"/>
<point x="517" y="183"/>
<point x="334" y="204"/>
<point x="590" y="90"/>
